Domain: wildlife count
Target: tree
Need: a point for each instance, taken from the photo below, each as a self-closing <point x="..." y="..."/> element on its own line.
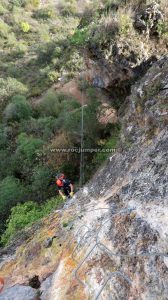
<point x="21" y="215"/>
<point x="28" y="147"/>
<point x="18" y="109"/>
<point x="9" y="87"/>
<point x="11" y="192"/>
<point x="41" y="180"/>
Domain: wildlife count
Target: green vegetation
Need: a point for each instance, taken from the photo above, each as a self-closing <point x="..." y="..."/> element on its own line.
<point x="162" y="29"/>
<point x="11" y="192"/>
<point x="23" y="215"/>
<point x="68" y="7"/>
<point x="9" y="87"/>
<point x="109" y="147"/>
<point x="17" y="109"/>
<point x="25" y="27"/>
<point x="80" y="37"/>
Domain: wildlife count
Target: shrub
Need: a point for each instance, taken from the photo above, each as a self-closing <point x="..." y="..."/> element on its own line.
<point x="53" y="76"/>
<point x="25" y="27"/>
<point x="111" y="143"/>
<point x="125" y="24"/>
<point x="3" y="137"/>
<point x="45" y="54"/>
<point x="41" y="180"/>
<point x="11" y="192"/>
<point x="10" y="87"/>
<point x="21" y="215"/>
<point x="17" y="3"/>
<point x="80" y="37"/>
<point x="35" y="3"/>
<point x="20" y="50"/>
<point x="162" y="29"/>
<point x="44" y="13"/>
<point x="3" y="10"/>
<point x="68" y="8"/>
<point x="23" y="3"/>
<point x="57" y="52"/>
<point x="4" y="29"/>
<point x="28" y="147"/>
<point x="11" y="40"/>
<point x="25" y="214"/>
<point x="42" y="127"/>
<point x="7" y="162"/>
<point x="50" y="105"/>
<point x="18" y="109"/>
<point x="56" y="104"/>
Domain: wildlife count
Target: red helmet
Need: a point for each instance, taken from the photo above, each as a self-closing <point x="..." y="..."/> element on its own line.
<point x="59" y="183"/>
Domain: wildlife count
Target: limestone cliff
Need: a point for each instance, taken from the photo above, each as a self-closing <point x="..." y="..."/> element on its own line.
<point x="111" y="239"/>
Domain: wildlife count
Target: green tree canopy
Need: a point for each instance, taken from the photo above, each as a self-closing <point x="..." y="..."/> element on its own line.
<point x="28" y="147"/>
<point x="18" y="109"/>
<point x="11" y="192"/>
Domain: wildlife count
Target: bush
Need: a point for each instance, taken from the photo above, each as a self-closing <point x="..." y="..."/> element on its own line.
<point x="23" y="3"/>
<point x="57" y="52"/>
<point x="57" y="104"/>
<point x="45" y="54"/>
<point x="44" y="13"/>
<point x="11" y="41"/>
<point x="42" y="127"/>
<point x="53" y="76"/>
<point x="6" y="162"/>
<point x="3" y="10"/>
<point x="4" y="29"/>
<point x="21" y="215"/>
<point x="41" y="179"/>
<point x="50" y="105"/>
<point x="80" y="37"/>
<point x="68" y="8"/>
<point x="125" y="24"/>
<point x="25" y="214"/>
<point x="19" y="50"/>
<point x="11" y="192"/>
<point x="11" y="86"/>
<point x="162" y="29"/>
<point x="25" y="27"/>
<point x="18" y="109"/>
<point x="3" y="137"/>
<point x="35" y="3"/>
<point x="110" y="144"/>
<point x="28" y="147"/>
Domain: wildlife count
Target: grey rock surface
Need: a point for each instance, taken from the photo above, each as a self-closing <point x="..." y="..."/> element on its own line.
<point x="18" y="292"/>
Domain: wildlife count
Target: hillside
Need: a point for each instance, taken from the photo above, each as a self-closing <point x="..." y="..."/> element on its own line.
<point x="110" y="239"/>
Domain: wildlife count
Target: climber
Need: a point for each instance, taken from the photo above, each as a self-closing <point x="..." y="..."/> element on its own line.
<point x="65" y="186"/>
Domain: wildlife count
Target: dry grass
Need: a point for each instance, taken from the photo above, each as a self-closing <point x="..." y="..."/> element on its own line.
<point x="164" y="8"/>
<point x="109" y="22"/>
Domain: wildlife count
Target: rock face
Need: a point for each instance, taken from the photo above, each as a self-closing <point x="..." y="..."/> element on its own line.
<point x="115" y="243"/>
<point x="107" y="114"/>
<point x="19" y="292"/>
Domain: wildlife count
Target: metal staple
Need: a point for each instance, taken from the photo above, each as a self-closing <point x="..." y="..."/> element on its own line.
<point x="100" y="245"/>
